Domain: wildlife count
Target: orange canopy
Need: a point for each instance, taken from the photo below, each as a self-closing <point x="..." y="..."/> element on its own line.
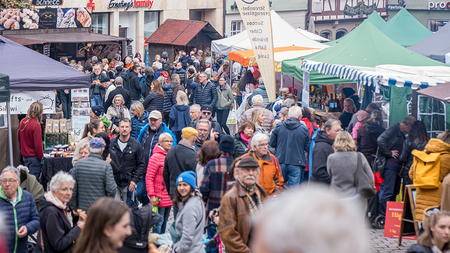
<point x="244" y="56"/>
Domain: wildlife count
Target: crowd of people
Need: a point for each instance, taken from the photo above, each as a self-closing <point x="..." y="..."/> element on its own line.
<point x="157" y="145"/>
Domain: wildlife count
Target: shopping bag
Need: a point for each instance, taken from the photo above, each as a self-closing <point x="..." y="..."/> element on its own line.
<point x="232" y="115"/>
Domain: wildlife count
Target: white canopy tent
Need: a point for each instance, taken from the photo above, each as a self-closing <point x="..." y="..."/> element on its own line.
<point x="284" y="35"/>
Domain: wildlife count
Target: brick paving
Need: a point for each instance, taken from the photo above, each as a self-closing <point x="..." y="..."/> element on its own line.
<point x="379" y="244"/>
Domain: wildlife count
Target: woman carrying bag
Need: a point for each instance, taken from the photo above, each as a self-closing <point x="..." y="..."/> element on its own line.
<point x="347" y="168"/>
<point x="225" y="99"/>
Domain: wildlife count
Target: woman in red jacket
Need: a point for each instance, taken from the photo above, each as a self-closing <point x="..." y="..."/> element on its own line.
<point x="30" y="138"/>
<point x="156" y="188"/>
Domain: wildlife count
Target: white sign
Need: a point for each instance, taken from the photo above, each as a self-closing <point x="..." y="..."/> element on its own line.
<point x="20" y="101"/>
<point x="255" y="15"/>
<point x="440" y="5"/>
<point x="305" y="92"/>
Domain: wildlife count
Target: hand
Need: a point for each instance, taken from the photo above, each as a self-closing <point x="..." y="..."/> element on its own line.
<point x="81" y="224"/>
<point x="22" y="232"/>
<point x="132" y="186"/>
<point x="108" y="159"/>
<point x="394" y="154"/>
<point x="152" y="248"/>
<point x="75" y="212"/>
<point x="83" y="216"/>
<point x="213" y="134"/>
<point x="154" y="201"/>
<point x="210" y="214"/>
<point x="117" y="130"/>
<point x="216" y="220"/>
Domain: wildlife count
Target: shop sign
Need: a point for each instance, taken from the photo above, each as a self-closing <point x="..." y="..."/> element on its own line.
<point x="394" y="7"/>
<point x="438" y="5"/>
<point x="21" y="101"/>
<point x="394" y="211"/>
<point x="91" y="4"/>
<point x="46" y="2"/>
<point x="127" y="5"/>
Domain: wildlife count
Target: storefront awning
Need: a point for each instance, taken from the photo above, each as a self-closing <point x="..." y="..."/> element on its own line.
<point x="62" y="37"/>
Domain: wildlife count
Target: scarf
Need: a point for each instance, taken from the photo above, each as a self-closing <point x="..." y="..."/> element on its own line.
<point x="250" y="192"/>
<point x="119" y="110"/>
<point x="246" y="140"/>
<point x="55" y="201"/>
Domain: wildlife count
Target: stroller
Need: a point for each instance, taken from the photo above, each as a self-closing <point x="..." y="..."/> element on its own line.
<point x="213" y="244"/>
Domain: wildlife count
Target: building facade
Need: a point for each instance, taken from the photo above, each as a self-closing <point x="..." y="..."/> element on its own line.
<point x="431" y="14"/>
<point x="335" y="18"/>
<point x="138" y="19"/>
<point x="293" y="11"/>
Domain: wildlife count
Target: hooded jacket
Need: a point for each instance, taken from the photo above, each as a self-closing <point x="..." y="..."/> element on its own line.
<point x="321" y="151"/>
<point x="146" y="87"/>
<point x="58" y="234"/>
<point x="138" y="124"/>
<point x="261" y="90"/>
<point x="291" y="140"/>
<point x="169" y="100"/>
<point x="135" y="88"/>
<point x="367" y="139"/>
<point x="179" y="117"/>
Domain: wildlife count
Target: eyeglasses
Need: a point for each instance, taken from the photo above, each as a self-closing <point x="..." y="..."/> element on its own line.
<point x="337" y="130"/>
<point x="11" y="181"/>
<point x="207" y="113"/>
<point x="263" y="145"/>
<point x="168" y="141"/>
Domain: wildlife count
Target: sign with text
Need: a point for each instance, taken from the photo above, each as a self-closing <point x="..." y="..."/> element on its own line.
<point x="255" y="15"/>
<point x="127" y="5"/>
<point x="46" y="2"/>
<point x="21" y="101"/>
<point x="393" y="220"/>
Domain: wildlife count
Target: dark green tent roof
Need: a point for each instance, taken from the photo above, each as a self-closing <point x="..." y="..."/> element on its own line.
<point x="365" y="46"/>
<point x="404" y="29"/>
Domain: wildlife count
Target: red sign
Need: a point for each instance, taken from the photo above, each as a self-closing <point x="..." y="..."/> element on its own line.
<point x="393" y="220"/>
<point x="91" y="4"/>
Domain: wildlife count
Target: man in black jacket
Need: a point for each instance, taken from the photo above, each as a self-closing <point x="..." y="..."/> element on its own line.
<point x="129" y="152"/>
<point x="96" y="90"/>
<point x="323" y="148"/>
<point x="119" y="90"/>
<point x="135" y="88"/>
<point x="390" y="146"/>
<point x="206" y="92"/>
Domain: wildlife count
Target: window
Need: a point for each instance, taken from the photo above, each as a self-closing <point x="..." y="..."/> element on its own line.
<point x="151" y="22"/>
<point x="432" y="113"/>
<point x="236" y="27"/>
<point x="435" y="24"/>
<point x="197" y="15"/>
<point x="340" y="33"/>
<point x="100" y="23"/>
<point x="326" y="34"/>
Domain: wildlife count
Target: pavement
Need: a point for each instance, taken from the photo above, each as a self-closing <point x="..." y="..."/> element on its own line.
<point x="379" y="244"/>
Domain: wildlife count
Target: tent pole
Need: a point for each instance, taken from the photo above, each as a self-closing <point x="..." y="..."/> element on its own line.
<point x="8" y="113"/>
<point x="281" y="85"/>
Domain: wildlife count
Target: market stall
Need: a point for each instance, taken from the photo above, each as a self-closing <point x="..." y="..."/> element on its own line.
<point x="436" y="46"/>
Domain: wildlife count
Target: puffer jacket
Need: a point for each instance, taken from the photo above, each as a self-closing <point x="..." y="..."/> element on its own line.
<point x="148" y="144"/>
<point x="131" y="161"/>
<point x="23" y="213"/>
<point x="270" y="171"/>
<point x="169" y="100"/>
<point x="261" y="90"/>
<point x="179" y="118"/>
<point x="268" y="121"/>
<point x="153" y="102"/>
<point x="138" y="124"/>
<point x="235" y="221"/>
<point x="432" y="197"/>
<point x="240" y="146"/>
<point x="322" y="149"/>
<point x="154" y="178"/>
<point x="224" y="97"/>
<point x="205" y="94"/>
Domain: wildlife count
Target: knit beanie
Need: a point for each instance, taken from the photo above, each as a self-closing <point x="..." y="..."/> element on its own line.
<point x="188" y="177"/>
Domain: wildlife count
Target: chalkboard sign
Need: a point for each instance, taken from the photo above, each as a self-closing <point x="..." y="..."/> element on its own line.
<point x="46" y="2"/>
<point x="47" y="50"/>
<point x="47" y="18"/>
<point x="129" y="50"/>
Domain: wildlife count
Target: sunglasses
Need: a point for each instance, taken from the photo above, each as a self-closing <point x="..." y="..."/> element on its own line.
<point x="206" y="113"/>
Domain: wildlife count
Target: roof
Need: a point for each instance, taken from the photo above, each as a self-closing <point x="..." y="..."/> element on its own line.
<point x="365" y="46"/>
<point x="440" y="92"/>
<point x="30" y="70"/>
<point x="61" y="37"/>
<point x="180" y="32"/>
<point x="404" y="29"/>
<point x="436" y="46"/>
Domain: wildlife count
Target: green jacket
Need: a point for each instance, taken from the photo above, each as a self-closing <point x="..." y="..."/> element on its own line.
<point x="224" y="98"/>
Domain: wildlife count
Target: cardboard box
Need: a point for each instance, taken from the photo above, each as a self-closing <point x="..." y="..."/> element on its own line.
<point x="55" y="126"/>
<point x="48" y="125"/>
<point x="63" y="125"/>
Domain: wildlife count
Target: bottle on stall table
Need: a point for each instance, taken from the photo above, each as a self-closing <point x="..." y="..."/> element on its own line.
<point x="327" y="103"/>
<point x="331" y="103"/>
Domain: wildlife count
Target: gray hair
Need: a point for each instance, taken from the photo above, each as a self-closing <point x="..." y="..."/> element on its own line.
<point x="323" y="213"/>
<point x="163" y="136"/>
<point x="295" y="112"/>
<point x="142" y="64"/>
<point x="174" y="76"/>
<point x="162" y="80"/>
<point x="118" y="80"/>
<point x="11" y="169"/>
<point x="329" y="124"/>
<point x="257" y="99"/>
<point x="59" y="178"/>
<point x="95" y="150"/>
<point x="86" y="145"/>
<point x="196" y="107"/>
<point x="157" y="65"/>
<point x="288" y="103"/>
<point x="284" y="90"/>
<point x="256" y="138"/>
<point x="96" y="67"/>
<point x="408" y="120"/>
<point x="94" y="58"/>
<point x="204" y="121"/>
<point x="129" y="58"/>
<point x="77" y="67"/>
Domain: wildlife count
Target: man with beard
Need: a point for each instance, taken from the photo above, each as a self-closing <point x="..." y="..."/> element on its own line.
<point x="148" y="137"/>
<point x="239" y="204"/>
<point x="97" y="91"/>
<point x="129" y="153"/>
<point x="203" y="129"/>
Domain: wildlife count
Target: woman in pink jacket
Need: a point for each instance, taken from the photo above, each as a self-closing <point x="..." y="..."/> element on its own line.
<point x="156" y="188"/>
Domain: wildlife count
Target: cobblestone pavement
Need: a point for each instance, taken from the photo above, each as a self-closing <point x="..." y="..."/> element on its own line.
<point x="379" y="244"/>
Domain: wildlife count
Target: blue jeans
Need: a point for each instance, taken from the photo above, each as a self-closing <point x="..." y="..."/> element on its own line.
<point x="292" y="174"/>
<point x="96" y="100"/>
<point x="390" y="189"/>
<point x="141" y="191"/>
<point x="34" y="165"/>
<point x="161" y="226"/>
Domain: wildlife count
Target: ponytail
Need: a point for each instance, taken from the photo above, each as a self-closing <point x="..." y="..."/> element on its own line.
<point x="89" y="128"/>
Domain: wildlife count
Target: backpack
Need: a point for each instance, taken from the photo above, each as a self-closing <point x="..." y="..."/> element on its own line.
<point x="426" y="169"/>
<point x="126" y="80"/>
<point x="166" y="76"/>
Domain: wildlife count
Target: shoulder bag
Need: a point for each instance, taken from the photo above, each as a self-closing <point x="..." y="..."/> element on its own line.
<point x="364" y="185"/>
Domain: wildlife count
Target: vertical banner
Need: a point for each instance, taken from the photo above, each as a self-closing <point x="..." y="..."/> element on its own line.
<point x="255" y="15"/>
<point x="305" y="91"/>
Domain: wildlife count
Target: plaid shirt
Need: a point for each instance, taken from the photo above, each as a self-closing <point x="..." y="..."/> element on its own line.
<point x="214" y="183"/>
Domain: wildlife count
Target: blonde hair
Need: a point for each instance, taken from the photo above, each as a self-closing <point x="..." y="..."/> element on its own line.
<point x="35" y="111"/>
<point x="344" y="142"/>
<point x="157" y="57"/>
<point x="255" y="116"/>
<point x="139" y="108"/>
<point x="121" y="97"/>
<point x="352" y="102"/>
<point x="105" y="60"/>
<point x="182" y="98"/>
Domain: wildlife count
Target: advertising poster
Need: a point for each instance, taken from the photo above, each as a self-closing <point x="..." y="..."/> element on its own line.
<point x="255" y="15"/>
<point x="305" y="91"/>
<point x="80" y="110"/>
<point x="393" y="220"/>
<point x="21" y="101"/>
